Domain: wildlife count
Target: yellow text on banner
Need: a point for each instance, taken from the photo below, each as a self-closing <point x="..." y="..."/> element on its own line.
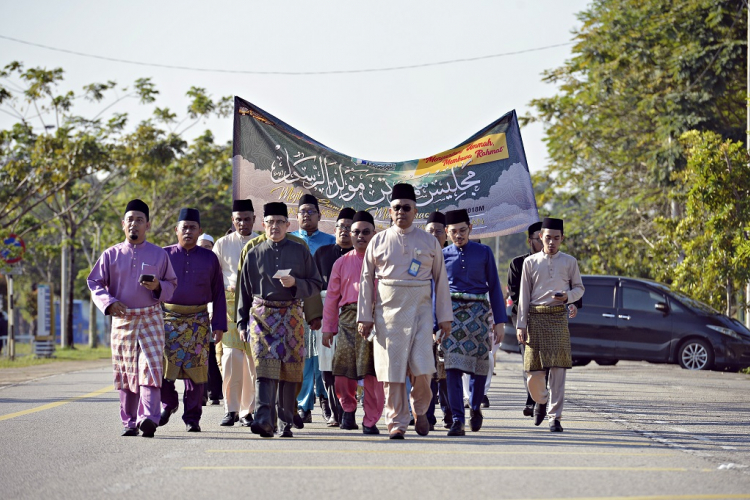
<point x="488" y="148"/>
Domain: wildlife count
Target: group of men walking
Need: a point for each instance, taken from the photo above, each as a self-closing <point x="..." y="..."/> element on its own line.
<point x="307" y="315"/>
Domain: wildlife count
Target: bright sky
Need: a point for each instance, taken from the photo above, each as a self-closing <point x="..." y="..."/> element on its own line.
<point x="379" y="116"/>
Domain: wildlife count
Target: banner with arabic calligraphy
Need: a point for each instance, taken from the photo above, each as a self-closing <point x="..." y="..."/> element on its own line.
<point x="486" y="174"/>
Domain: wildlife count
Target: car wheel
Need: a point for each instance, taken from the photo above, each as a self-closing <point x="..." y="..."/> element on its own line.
<point x="606" y="362"/>
<point x="581" y="361"/>
<point x="696" y="354"/>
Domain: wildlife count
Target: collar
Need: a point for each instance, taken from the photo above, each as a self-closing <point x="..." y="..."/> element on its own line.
<point x="135" y="247"/>
<point x="303" y="233"/>
<point x="186" y="251"/>
<point x="400" y="231"/>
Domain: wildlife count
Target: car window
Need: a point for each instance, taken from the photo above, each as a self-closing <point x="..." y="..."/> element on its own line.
<point x="640" y="299"/>
<point x="676" y="307"/>
<point x="599" y="295"/>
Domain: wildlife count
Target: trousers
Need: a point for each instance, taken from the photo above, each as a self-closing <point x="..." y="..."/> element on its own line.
<point x="346" y="388"/>
<point x="397" y="401"/>
<point x="555" y="395"/>
<point x="192" y="399"/>
<point x="455" y="392"/>
<point x="239" y="381"/>
<point x="135" y="407"/>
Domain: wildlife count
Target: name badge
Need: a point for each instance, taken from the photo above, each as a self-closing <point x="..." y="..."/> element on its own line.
<point x="414" y="267"/>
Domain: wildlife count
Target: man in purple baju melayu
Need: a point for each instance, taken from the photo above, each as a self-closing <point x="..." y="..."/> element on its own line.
<point x="186" y="320"/>
<point x="128" y="282"/>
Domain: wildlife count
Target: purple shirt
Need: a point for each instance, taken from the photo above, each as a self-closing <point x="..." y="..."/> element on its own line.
<point x="200" y="281"/>
<point x="115" y="276"/>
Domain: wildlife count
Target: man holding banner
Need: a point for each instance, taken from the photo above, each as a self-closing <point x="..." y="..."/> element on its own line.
<point x="405" y="261"/>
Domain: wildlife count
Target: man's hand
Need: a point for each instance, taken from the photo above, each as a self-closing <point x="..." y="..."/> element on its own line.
<point x="116" y="309"/>
<point x="572" y="311"/>
<point x="151" y="285"/>
<point x="365" y="328"/>
<point x="315" y="324"/>
<point x="445" y="330"/>
<point x="218" y="335"/>
<point x="498" y="329"/>
<point x="327" y="339"/>
<point x="287" y="281"/>
<point x="243" y="335"/>
<point x="521" y="335"/>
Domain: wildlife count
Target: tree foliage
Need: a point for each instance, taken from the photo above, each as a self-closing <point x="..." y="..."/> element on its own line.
<point x="643" y="73"/>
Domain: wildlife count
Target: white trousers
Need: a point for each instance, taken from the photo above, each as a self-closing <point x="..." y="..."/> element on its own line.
<point x="239" y="381"/>
<point x="556" y="393"/>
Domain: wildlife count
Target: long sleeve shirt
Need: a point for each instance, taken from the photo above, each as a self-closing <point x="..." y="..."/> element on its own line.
<point x="389" y="256"/>
<point x="114" y="277"/>
<point x="325" y="258"/>
<point x="544" y="275"/>
<point x="262" y="262"/>
<point x="200" y="281"/>
<point x="471" y="269"/>
<point x="315" y="240"/>
<point x="228" y="249"/>
<point x="343" y="288"/>
<point x="515" y="269"/>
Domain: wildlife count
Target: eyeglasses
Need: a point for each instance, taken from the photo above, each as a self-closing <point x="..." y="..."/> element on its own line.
<point x="364" y="232"/>
<point x="270" y="222"/>
<point x="462" y="231"/>
<point x="310" y="211"/>
<point x="344" y="229"/>
<point x="404" y="208"/>
<point x="436" y="231"/>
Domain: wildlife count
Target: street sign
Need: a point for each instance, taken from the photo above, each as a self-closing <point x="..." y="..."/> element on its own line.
<point x="44" y="312"/>
<point x="16" y="270"/>
<point x="13" y="249"/>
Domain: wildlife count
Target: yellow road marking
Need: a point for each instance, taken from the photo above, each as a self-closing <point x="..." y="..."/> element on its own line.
<point x="435" y="467"/>
<point x="56" y="403"/>
<point x="522" y="439"/>
<point x="450" y="452"/>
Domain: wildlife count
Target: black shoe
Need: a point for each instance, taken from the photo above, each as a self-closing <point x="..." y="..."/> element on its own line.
<point x="528" y="411"/>
<point x="213" y="402"/>
<point x="457" y="429"/>
<point x="229" y="419"/>
<point x="555" y="426"/>
<point x="396" y="435"/>
<point x="447" y="425"/>
<point x="298" y="419"/>
<point x="540" y="411"/>
<point x="348" y="421"/>
<point x="325" y="408"/>
<point x="165" y="414"/>
<point x="306" y="416"/>
<point x="247" y="420"/>
<point x="287" y="431"/>
<point x="475" y="420"/>
<point x="148" y="428"/>
<point x="485" y="402"/>
<point x="129" y="431"/>
<point x="432" y="427"/>
<point x="193" y="427"/>
<point x="370" y="430"/>
<point x="265" y="431"/>
<point x="411" y="423"/>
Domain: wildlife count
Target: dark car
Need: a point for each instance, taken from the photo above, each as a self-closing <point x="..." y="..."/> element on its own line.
<point x="642" y="320"/>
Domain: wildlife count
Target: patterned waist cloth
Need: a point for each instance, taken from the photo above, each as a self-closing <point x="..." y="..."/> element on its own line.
<point x="548" y="339"/>
<point x="277" y="339"/>
<point x="186" y="329"/>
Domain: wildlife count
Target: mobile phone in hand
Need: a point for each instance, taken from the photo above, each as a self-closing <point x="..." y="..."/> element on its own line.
<point x="559" y="294"/>
<point x="146" y="277"/>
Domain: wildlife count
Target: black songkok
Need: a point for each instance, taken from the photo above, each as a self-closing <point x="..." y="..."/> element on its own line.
<point x="363" y="216"/>
<point x="537" y="226"/>
<point x="275" y="208"/>
<point x="438" y="217"/>
<point x="242" y="206"/>
<point x="550" y="223"/>
<point x="138" y="206"/>
<point x="403" y="192"/>
<point x="307" y="199"/>
<point x="457" y="217"/>
<point x="346" y="213"/>
<point x="190" y="214"/>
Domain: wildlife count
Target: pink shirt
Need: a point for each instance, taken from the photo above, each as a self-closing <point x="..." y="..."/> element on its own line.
<point x="343" y="288"/>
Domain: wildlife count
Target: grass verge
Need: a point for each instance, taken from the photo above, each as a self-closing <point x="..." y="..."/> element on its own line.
<point x="81" y="352"/>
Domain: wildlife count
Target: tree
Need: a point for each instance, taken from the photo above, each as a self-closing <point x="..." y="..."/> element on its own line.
<point x="642" y="74"/>
<point x="712" y="241"/>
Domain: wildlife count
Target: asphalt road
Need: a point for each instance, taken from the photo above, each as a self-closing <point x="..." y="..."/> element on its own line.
<point x="633" y="431"/>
